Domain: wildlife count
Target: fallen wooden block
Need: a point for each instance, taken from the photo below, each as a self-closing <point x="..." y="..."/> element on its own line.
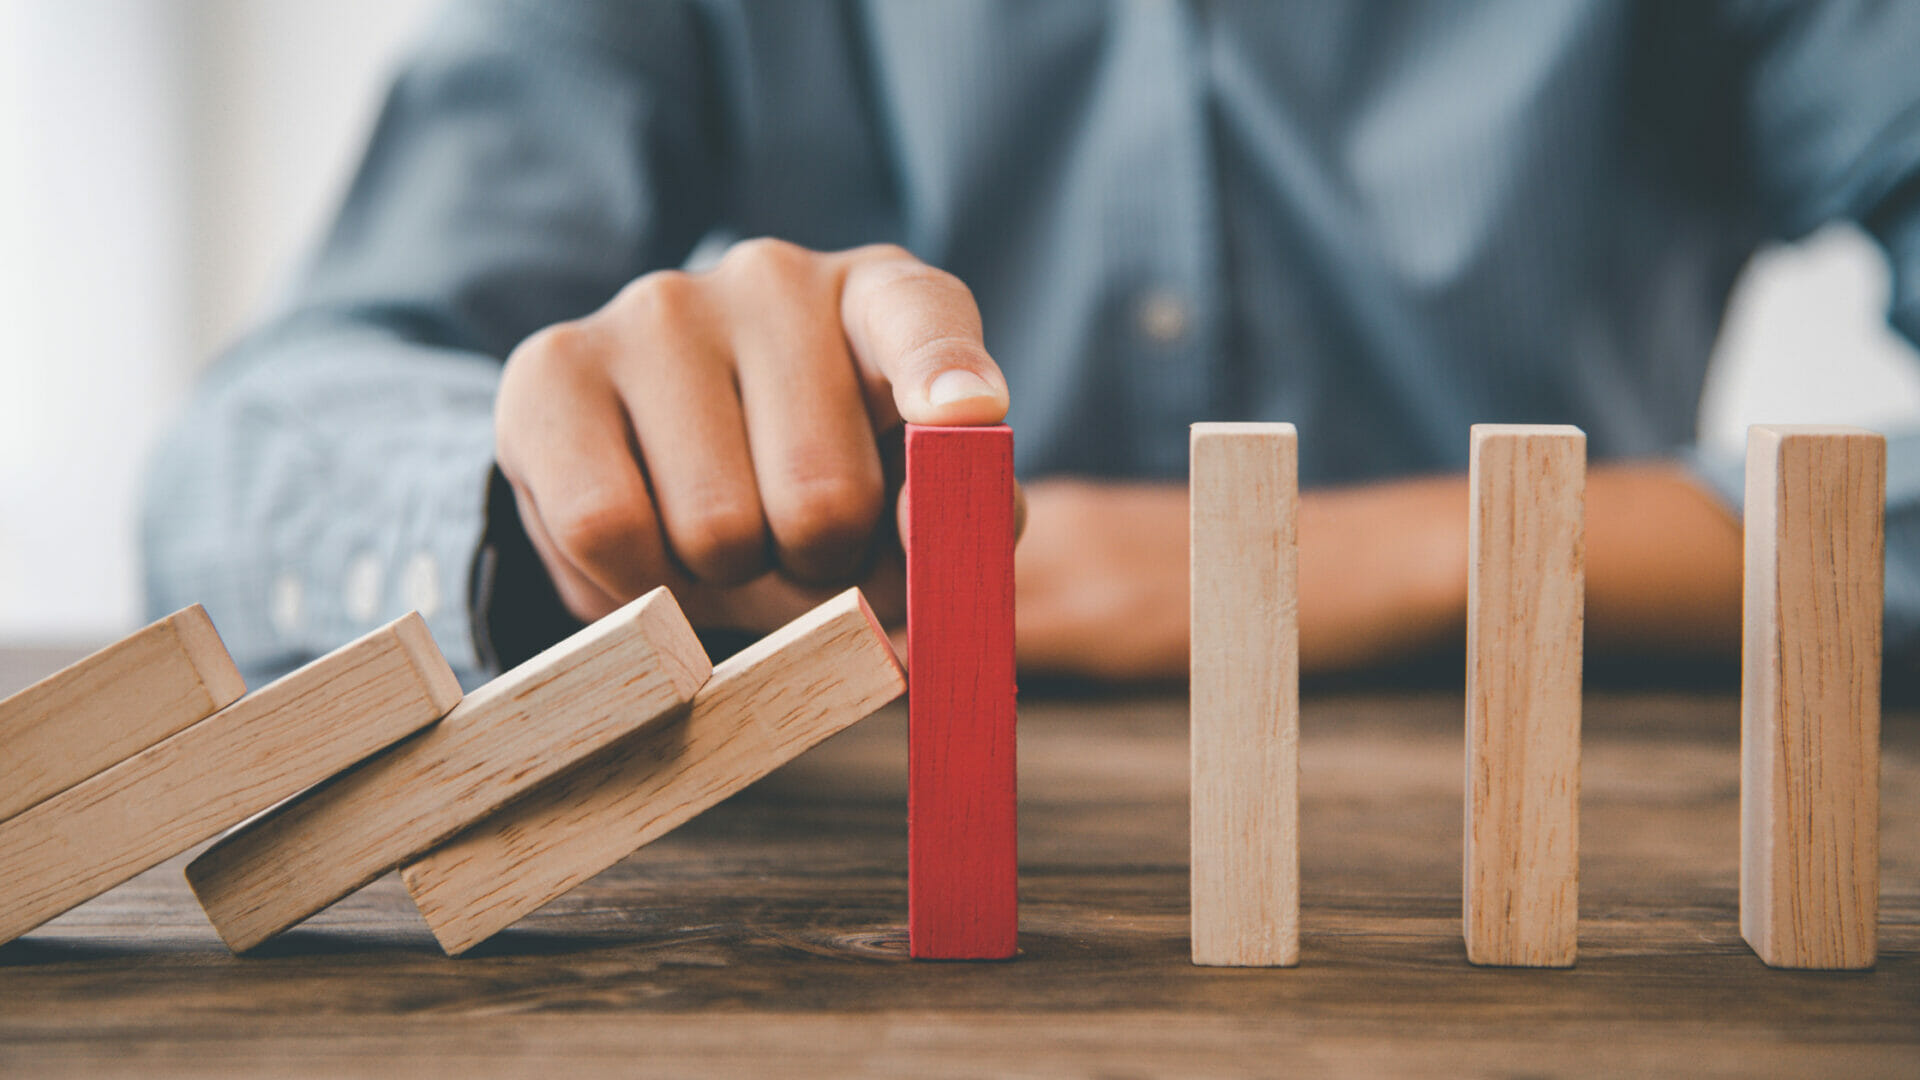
<point x="1526" y="602"/>
<point x="1245" y="687"/>
<point x="962" y="836"/>
<point x="269" y="745"/>
<point x="762" y="708"/>
<point x="112" y="705"/>
<point x="1810" y="696"/>
<point x="620" y="674"/>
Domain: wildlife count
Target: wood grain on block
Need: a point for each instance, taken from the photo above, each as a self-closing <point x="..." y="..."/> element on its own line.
<point x="962" y="842"/>
<point x="271" y="744"/>
<point x="614" y="677"/>
<point x="763" y="707"/>
<point x="112" y="705"/>
<point x="1245" y="695"/>
<point x="1526" y="601"/>
<point x="1810" y="696"/>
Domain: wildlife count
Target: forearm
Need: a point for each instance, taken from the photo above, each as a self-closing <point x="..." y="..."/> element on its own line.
<point x="332" y="471"/>
<point x="330" y="481"/>
<point x="1383" y="568"/>
<point x="1102" y="576"/>
<point x="1664" y="565"/>
<point x="1103" y="572"/>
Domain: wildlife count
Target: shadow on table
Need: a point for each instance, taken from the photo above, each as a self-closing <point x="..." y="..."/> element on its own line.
<point x="1445" y="670"/>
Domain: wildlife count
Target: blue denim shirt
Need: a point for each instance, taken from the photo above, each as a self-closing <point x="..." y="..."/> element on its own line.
<point x="1381" y="221"/>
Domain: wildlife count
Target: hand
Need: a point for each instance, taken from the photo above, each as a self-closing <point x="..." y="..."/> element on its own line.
<point x="1100" y="580"/>
<point x="722" y="433"/>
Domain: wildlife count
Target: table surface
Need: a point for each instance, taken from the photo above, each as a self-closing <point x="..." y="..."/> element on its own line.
<point x="768" y="936"/>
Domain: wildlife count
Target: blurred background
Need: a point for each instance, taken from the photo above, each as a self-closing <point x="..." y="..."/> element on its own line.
<point x="164" y="164"/>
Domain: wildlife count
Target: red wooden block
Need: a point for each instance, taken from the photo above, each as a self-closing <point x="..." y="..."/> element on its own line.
<point x="962" y="859"/>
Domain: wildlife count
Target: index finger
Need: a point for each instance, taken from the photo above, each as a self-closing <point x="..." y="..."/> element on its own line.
<point x="915" y="328"/>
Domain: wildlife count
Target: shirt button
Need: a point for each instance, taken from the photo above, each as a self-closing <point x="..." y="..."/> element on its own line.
<point x="1162" y="317"/>
<point x="287" y="607"/>
<point x="420" y="584"/>
<point x="363" y="589"/>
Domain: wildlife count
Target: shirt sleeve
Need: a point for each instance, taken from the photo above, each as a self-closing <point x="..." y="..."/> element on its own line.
<point x="332" y="471"/>
<point x="1832" y="109"/>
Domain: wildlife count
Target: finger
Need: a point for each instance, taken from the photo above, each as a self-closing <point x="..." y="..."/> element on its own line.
<point x="677" y="381"/>
<point x="585" y="600"/>
<point x="1019" y="513"/>
<point x="769" y="602"/>
<point x="563" y="437"/>
<point x="814" y="455"/>
<point x="918" y="329"/>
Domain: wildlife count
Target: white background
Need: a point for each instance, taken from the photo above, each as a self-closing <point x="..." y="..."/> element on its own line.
<point x="164" y="162"/>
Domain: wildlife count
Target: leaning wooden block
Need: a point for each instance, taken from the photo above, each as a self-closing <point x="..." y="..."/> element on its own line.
<point x="112" y="705"/>
<point x="762" y="708"/>
<point x="962" y="839"/>
<point x="1526" y="601"/>
<point x="622" y="673"/>
<point x="1245" y="690"/>
<point x="271" y="744"/>
<point x="1810" y="696"/>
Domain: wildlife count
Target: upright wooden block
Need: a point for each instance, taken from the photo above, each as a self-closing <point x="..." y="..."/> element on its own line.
<point x="762" y="708"/>
<point x="1526" y="602"/>
<point x="213" y="775"/>
<point x="1245" y="688"/>
<point x="112" y="705"/>
<point x="962" y="843"/>
<point x="1810" y="696"/>
<point x="624" y="672"/>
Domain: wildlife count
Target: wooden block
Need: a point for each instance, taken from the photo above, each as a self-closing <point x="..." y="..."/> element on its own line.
<point x="962" y="842"/>
<point x="1245" y="687"/>
<point x="617" y="676"/>
<point x="112" y="705"/>
<point x="1526" y="602"/>
<point x="1810" y="696"/>
<point x="762" y="708"/>
<point x="271" y="744"/>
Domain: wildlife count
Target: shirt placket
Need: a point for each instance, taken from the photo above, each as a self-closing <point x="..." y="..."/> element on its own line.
<point x="1166" y="297"/>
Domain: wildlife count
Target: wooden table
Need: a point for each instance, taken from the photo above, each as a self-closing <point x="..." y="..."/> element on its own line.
<point x="767" y="938"/>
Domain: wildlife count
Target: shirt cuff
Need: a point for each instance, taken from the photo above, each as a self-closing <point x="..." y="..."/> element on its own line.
<point x="516" y="611"/>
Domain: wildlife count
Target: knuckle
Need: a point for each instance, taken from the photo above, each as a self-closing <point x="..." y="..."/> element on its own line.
<point x="563" y="344"/>
<point x="552" y="357"/>
<point x="592" y="528"/>
<point x="766" y="258"/>
<point x="662" y="295"/>
<point x="580" y="602"/>
<point x="886" y="253"/>
<point x="720" y="540"/>
<point x="667" y="308"/>
<point x="827" y="513"/>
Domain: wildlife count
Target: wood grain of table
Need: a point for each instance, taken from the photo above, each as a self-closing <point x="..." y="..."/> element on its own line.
<point x="768" y="937"/>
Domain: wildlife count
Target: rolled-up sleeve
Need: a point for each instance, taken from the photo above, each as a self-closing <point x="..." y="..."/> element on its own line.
<point x="1725" y="475"/>
<point x="1832" y="104"/>
<point x="331" y="472"/>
